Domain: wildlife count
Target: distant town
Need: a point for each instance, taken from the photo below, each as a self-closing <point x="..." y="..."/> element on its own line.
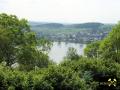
<point x="80" y="37"/>
<point x="77" y="33"/>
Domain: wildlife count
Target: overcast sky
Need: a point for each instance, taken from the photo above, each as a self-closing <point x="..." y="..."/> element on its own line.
<point x="65" y="11"/>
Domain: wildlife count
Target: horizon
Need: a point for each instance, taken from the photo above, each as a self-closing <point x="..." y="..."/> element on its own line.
<point x="63" y="11"/>
<point x="45" y="22"/>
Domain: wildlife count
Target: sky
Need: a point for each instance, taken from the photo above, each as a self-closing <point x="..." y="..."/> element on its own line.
<point x="64" y="11"/>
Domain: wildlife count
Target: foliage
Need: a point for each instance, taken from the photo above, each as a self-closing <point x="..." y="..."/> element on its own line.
<point x="95" y="72"/>
<point x="72" y="54"/>
<point x="64" y="79"/>
<point x="92" y="50"/>
<point x="83" y="74"/>
<point x="19" y="44"/>
<point x="110" y="47"/>
<point x="54" y="78"/>
<point x="15" y="30"/>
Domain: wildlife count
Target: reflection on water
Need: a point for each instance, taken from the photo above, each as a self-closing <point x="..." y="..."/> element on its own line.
<point x="58" y="51"/>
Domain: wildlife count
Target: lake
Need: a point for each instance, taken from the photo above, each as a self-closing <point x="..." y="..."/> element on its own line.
<point x="59" y="50"/>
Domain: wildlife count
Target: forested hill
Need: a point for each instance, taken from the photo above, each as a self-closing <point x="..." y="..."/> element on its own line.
<point x="88" y="25"/>
<point x="79" y="33"/>
<point x="91" y="25"/>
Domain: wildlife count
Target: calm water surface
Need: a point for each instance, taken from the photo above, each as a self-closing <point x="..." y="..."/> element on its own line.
<point x="59" y="50"/>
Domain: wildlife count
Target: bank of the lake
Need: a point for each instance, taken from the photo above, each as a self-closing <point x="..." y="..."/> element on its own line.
<point x="59" y="50"/>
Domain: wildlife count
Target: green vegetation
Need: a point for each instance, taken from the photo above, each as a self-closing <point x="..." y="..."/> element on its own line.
<point x="72" y="54"/>
<point x="77" y="33"/>
<point x="66" y="31"/>
<point x="18" y="44"/>
<point x="109" y="48"/>
<point x="92" y="49"/>
<point x="99" y="70"/>
<point x="57" y="28"/>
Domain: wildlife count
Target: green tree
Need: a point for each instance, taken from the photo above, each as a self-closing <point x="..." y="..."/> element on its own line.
<point x="7" y="50"/>
<point x="19" y="43"/>
<point x="29" y="57"/>
<point x="14" y="31"/>
<point x="92" y="50"/>
<point x="63" y="78"/>
<point x="72" y="54"/>
<point x="110" y="46"/>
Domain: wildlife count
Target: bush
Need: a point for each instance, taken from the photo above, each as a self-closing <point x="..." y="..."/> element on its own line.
<point x="95" y="71"/>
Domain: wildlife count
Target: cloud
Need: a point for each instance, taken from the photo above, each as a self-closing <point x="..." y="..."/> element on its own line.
<point x="63" y="10"/>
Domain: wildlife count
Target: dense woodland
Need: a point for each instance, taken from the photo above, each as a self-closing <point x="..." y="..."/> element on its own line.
<point x="25" y="67"/>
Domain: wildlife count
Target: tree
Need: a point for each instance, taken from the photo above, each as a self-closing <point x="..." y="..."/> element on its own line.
<point x="72" y="54"/>
<point x="14" y="31"/>
<point x="92" y="50"/>
<point x="19" y="43"/>
<point x="7" y="50"/>
<point x="29" y="58"/>
<point x="61" y="78"/>
<point x="110" y="46"/>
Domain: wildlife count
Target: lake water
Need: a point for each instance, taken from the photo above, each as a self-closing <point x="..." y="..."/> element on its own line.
<point x="59" y="50"/>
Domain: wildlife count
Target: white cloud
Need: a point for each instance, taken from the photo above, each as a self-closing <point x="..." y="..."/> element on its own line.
<point x="64" y="10"/>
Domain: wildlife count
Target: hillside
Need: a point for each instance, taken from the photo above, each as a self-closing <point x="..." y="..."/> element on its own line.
<point x="91" y="25"/>
<point x="82" y="33"/>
